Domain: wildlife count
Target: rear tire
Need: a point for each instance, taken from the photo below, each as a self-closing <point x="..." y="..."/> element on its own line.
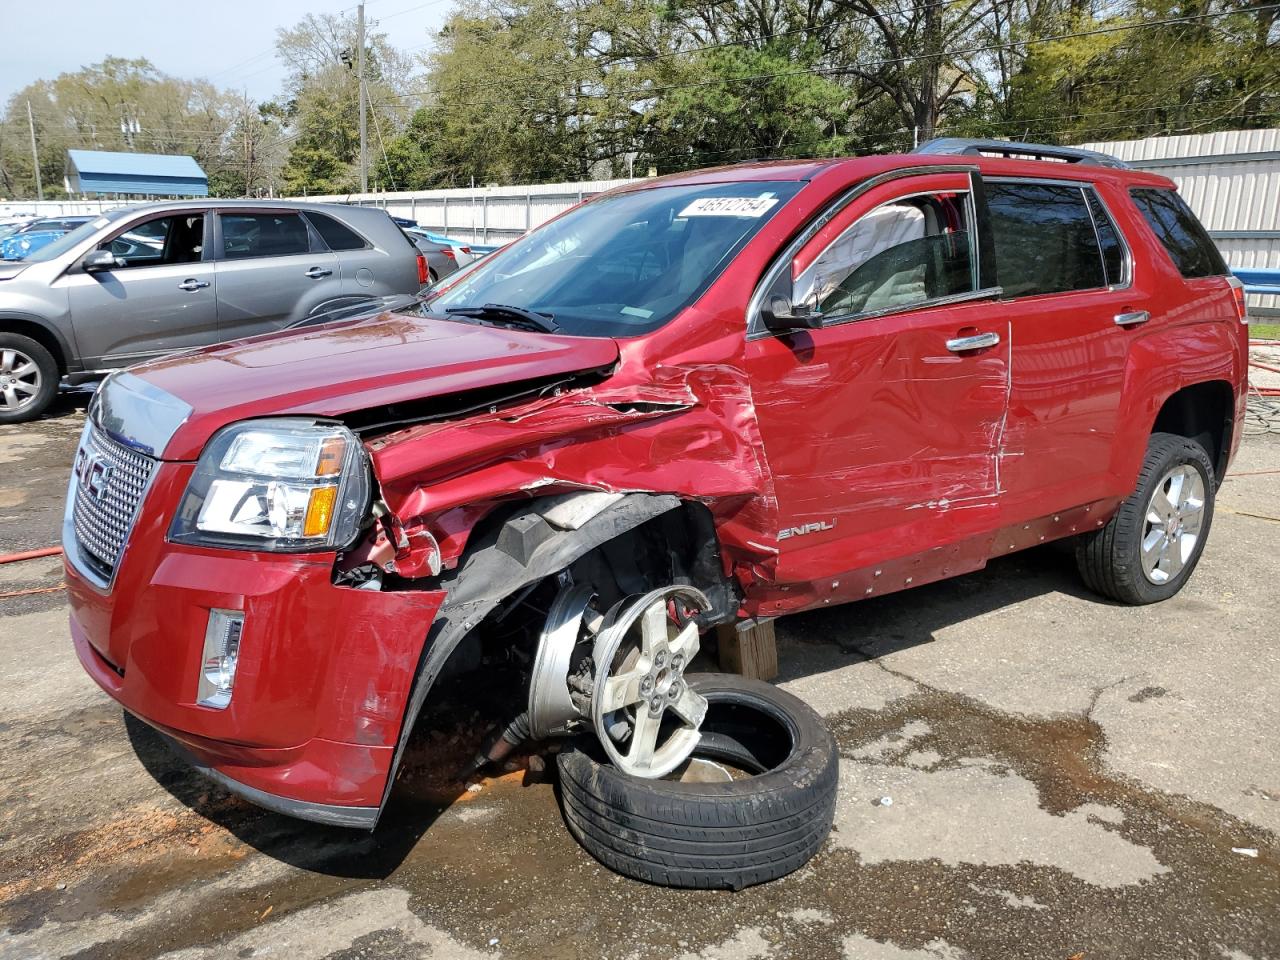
<point x="714" y="835"/>
<point x="29" y="378"/>
<point x="1149" y="548"/>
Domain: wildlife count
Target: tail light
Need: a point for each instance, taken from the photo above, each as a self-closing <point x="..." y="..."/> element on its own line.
<point x="448" y="252"/>
<point x="466" y="250"/>
<point x="424" y="275"/>
<point x="1242" y="306"/>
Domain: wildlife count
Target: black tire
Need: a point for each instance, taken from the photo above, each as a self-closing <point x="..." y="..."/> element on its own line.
<point x="714" y="835"/>
<point x="49" y="378"/>
<point x="1110" y="558"/>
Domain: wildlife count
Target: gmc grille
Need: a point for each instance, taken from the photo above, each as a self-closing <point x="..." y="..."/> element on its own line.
<point x="106" y="501"/>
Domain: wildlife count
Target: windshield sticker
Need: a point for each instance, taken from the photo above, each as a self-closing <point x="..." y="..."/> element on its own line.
<point x="729" y="207"/>
<point x="637" y="312"/>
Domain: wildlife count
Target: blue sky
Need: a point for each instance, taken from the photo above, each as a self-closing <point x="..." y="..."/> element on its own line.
<point x="230" y="42"/>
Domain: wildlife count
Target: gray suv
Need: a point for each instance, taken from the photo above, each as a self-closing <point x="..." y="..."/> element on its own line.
<point x="143" y="281"/>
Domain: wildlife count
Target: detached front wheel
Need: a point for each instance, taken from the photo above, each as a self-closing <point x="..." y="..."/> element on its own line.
<point x="1150" y="547"/>
<point x="770" y="814"/>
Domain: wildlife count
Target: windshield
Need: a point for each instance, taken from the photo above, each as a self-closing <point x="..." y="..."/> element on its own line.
<point x="621" y="265"/>
<point x="68" y="240"/>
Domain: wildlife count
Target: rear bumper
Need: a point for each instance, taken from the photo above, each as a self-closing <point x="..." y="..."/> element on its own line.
<point x="322" y="681"/>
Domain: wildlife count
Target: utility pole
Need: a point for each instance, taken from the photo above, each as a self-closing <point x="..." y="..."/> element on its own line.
<point x="364" y="156"/>
<point x="35" y="157"/>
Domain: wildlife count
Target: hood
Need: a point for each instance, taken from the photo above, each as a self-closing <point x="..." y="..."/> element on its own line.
<point x="355" y="365"/>
<point x="11" y="268"/>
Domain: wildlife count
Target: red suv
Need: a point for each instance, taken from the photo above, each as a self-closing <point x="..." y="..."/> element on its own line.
<point x="700" y="399"/>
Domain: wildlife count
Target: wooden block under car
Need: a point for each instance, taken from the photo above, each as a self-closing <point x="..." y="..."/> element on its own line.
<point x="749" y="648"/>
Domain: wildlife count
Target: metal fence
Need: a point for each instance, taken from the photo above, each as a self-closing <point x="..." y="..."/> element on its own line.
<point x="1232" y="182"/>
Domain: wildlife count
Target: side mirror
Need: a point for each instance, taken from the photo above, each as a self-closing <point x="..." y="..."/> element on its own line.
<point x="780" y="315"/>
<point x="98" y="260"/>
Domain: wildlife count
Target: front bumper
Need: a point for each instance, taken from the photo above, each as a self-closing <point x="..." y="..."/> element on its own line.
<point x="323" y="677"/>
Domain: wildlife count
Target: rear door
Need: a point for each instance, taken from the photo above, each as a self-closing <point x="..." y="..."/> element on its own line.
<point x="272" y="270"/>
<point x="882" y="428"/>
<point x="158" y="298"/>
<point x="1070" y="303"/>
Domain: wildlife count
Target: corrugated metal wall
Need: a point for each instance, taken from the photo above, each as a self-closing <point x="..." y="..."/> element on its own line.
<point x="1232" y="182"/>
<point x="485" y="214"/>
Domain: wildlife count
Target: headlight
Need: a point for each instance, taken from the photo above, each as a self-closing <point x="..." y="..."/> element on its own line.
<point x="285" y="485"/>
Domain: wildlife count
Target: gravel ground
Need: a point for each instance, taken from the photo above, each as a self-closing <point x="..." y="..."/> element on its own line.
<point x="1069" y="779"/>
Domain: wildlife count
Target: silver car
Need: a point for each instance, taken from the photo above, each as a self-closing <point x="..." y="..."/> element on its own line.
<point x="140" y="282"/>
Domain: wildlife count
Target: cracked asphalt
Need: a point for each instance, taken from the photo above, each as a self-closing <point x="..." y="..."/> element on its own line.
<point x="1026" y="771"/>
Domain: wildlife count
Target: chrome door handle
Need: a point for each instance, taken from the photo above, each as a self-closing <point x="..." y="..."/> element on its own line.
<point x="1132" y="317"/>
<point x="315" y="273"/>
<point x="193" y="284"/>
<point x="978" y="341"/>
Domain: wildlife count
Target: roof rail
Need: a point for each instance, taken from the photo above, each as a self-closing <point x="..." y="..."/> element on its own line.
<point x="952" y="146"/>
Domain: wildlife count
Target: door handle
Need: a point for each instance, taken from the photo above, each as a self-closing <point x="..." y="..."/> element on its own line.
<point x="315" y="273"/>
<point x="979" y="341"/>
<point x="1131" y="318"/>
<point x="193" y="284"/>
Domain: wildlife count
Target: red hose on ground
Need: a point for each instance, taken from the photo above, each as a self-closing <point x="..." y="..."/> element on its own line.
<point x="30" y="554"/>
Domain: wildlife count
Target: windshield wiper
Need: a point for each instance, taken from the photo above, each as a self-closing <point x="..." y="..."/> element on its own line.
<point x="545" y="322"/>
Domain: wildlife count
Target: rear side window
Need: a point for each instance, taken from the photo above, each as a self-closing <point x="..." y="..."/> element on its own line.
<point x="1044" y="238"/>
<point x="246" y="235"/>
<point x="1189" y="246"/>
<point x="335" y="234"/>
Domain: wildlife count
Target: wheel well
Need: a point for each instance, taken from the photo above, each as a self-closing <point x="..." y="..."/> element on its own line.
<point x="40" y="334"/>
<point x="1203" y="412"/>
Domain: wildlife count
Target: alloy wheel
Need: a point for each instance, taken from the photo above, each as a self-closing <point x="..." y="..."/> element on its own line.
<point x="1172" y="524"/>
<point x="20" y="380"/>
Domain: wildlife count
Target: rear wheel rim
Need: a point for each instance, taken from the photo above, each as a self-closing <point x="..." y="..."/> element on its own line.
<point x="1173" y="523"/>
<point x="20" y="380"/>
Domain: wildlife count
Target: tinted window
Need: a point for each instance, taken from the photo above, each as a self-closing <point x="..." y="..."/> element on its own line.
<point x="625" y="263"/>
<point x="901" y="253"/>
<point x="263" y="235"/>
<point x="1189" y="246"/>
<point x="177" y="239"/>
<point x="1045" y="240"/>
<point x="337" y="236"/>
<point x="1113" y="259"/>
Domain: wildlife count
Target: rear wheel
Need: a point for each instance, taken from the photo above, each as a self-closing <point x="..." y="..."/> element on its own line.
<point x="1150" y="547"/>
<point x="28" y="378"/>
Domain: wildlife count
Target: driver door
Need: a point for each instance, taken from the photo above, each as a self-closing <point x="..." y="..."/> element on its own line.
<point x="158" y="298"/>
<point x="882" y="426"/>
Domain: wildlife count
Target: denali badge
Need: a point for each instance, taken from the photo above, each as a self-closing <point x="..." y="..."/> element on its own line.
<point x="94" y="474"/>
<point x="788" y="532"/>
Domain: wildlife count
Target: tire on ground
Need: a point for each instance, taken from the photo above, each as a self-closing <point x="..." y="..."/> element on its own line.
<point x="725" y="835"/>
<point x="49" y="377"/>
<point x="1110" y="558"/>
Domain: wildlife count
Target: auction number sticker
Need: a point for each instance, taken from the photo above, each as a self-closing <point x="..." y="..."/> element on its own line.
<point x="729" y="206"/>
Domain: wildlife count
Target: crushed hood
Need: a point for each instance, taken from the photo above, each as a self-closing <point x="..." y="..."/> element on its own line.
<point x="356" y="365"/>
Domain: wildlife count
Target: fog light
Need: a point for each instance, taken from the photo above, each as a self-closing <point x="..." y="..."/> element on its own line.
<point x="221" y="651"/>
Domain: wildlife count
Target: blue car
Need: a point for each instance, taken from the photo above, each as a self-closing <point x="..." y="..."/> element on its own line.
<point x="30" y="237"/>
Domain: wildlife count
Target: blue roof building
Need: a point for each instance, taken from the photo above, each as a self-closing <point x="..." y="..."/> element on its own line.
<point x="142" y="174"/>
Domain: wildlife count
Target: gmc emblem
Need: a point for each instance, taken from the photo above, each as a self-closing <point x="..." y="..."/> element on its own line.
<point x="94" y="475"/>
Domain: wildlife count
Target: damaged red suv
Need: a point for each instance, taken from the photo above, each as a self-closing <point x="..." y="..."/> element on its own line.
<point x="695" y="400"/>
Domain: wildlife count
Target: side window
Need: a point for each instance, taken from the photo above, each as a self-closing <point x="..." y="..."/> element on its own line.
<point x="336" y="236"/>
<point x="1044" y="238"/>
<point x="178" y="239"/>
<point x="1188" y="243"/>
<point x="1113" y="255"/>
<point x="246" y="235"/>
<point x="901" y="253"/>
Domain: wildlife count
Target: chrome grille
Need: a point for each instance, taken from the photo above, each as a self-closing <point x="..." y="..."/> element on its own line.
<point x="106" y="502"/>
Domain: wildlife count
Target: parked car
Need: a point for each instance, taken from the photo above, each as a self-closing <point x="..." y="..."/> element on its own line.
<point x="714" y="397"/>
<point x="11" y="225"/>
<point x="29" y="237"/>
<point x="144" y="281"/>
<point x="444" y="256"/>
